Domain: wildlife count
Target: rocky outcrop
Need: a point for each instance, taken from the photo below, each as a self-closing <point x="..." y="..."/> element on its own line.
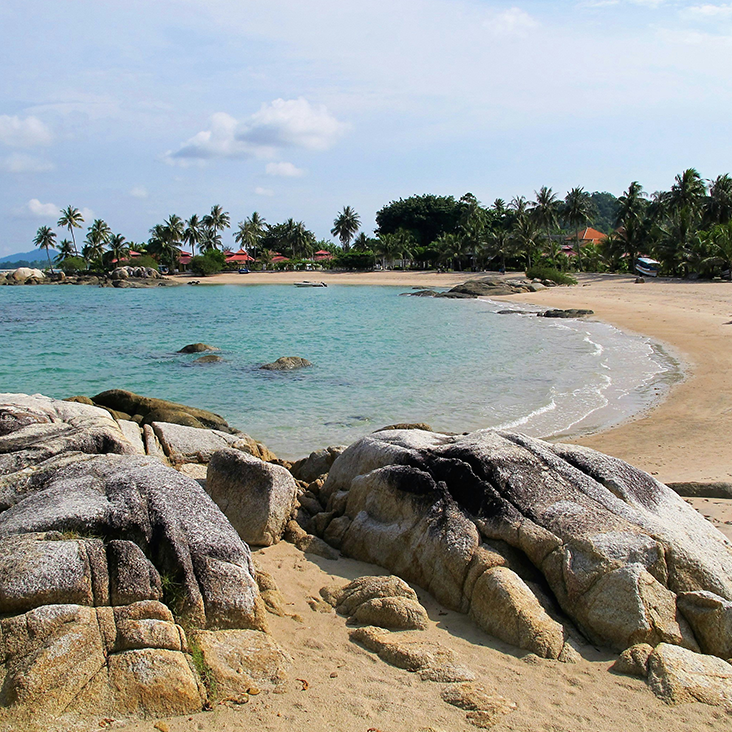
<point x="100" y="549"/>
<point x="484" y="709"/>
<point x="521" y="533"/>
<point x="287" y="363"/>
<point x="571" y="313"/>
<point x="316" y="464"/>
<point x="255" y="496"/>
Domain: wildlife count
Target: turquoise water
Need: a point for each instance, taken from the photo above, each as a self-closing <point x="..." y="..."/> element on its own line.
<point x="378" y="359"/>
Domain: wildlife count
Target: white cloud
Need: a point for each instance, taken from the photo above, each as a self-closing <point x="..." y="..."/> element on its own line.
<point x="259" y="191"/>
<point x="284" y="170"/>
<point x="279" y="124"/>
<point x="708" y="11"/>
<point x="28" y="132"/>
<point x="292" y="123"/>
<point x="20" y="163"/>
<point x="139" y="192"/>
<point x="511" y="22"/>
<point x="42" y="210"/>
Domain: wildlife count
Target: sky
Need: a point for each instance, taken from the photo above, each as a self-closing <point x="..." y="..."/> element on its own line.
<point x="132" y="111"/>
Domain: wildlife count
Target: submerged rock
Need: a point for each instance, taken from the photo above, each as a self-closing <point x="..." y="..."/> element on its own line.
<point x="571" y="313"/>
<point x="287" y="363"/>
<point x="197" y="348"/>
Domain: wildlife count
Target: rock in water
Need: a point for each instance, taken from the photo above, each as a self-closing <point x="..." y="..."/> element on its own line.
<point x="287" y="363"/>
<point x="484" y="520"/>
<point x="197" y="348"/>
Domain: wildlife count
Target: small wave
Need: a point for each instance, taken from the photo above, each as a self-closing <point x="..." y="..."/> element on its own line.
<point x="527" y="418"/>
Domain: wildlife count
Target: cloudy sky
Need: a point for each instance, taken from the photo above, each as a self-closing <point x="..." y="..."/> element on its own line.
<point x="135" y="110"/>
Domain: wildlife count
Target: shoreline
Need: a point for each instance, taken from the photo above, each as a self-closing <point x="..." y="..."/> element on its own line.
<point x="681" y="438"/>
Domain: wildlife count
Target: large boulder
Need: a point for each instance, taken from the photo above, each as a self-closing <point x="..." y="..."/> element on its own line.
<point x="613" y="546"/>
<point x="317" y="463"/>
<point x="678" y="676"/>
<point x="287" y="363"/>
<point x="93" y="540"/>
<point x="257" y="497"/>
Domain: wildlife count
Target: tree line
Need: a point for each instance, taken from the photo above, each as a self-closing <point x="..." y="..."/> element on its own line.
<point x="687" y="229"/>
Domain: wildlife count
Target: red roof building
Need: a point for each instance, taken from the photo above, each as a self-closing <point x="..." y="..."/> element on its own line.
<point x="240" y="257"/>
<point x="322" y="256"/>
<point x="587" y="236"/>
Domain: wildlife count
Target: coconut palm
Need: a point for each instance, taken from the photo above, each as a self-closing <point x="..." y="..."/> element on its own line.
<point x="71" y="219"/>
<point x="118" y="247"/>
<point x="526" y="236"/>
<point x="46" y="239"/>
<point x="399" y="245"/>
<point x="719" y="204"/>
<point x="577" y="210"/>
<point x="97" y="236"/>
<point x="545" y="210"/>
<point x="719" y="242"/>
<point x="65" y="250"/>
<point x="362" y="243"/>
<point x="687" y="192"/>
<point x="250" y="232"/>
<point x="192" y="233"/>
<point x="345" y="226"/>
<point x="218" y="219"/>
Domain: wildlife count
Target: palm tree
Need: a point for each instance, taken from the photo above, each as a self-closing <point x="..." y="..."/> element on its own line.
<point x="525" y="234"/>
<point x="65" y="250"/>
<point x="165" y="238"/>
<point x="96" y="237"/>
<point x="193" y="233"/>
<point x="118" y="247"/>
<point x="719" y="240"/>
<point x="450" y="248"/>
<point x="546" y="210"/>
<point x="71" y="219"/>
<point x="218" y="219"/>
<point x="688" y="191"/>
<point x="46" y="239"/>
<point x="345" y="226"/>
<point x="719" y="203"/>
<point x="498" y="241"/>
<point x="362" y="243"/>
<point x="250" y="232"/>
<point x="577" y="210"/>
<point x="399" y="245"/>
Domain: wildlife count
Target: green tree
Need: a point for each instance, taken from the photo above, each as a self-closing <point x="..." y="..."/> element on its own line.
<point x="97" y="237"/>
<point x="71" y="219"/>
<point x="718" y="208"/>
<point x="688" y="192"/>
<point x="192" y="233"/>
<point x="165" y="239"/>
<point x="545" y="210"/>
<point x="65" y="250"/>
<point x="576" y="211"/>
<point x="218" y="220"/>
<point x="526" y="236"/>
<point x="118" y="248"/>
<point x="427" y="217"/>
<point x="46" y="239"/>
<point x="345" y="226"/>
<point x="250" y="233"/>
<point x="719" y="241"/>
<point x="398" y="245"/>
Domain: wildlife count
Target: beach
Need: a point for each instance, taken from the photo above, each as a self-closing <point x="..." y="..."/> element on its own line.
<point x="686" y="436"/>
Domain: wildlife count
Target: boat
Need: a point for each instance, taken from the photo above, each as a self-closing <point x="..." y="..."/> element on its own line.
<point x="305" y="283"/>
<point x="647" y="267"/>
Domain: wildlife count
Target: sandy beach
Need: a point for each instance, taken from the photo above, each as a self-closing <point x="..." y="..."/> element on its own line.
<point x="686" y="437"/>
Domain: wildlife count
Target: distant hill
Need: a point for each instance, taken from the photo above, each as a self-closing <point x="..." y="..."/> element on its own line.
<point x="37" y="255"/>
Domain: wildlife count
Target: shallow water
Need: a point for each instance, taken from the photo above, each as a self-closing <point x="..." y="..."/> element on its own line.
<point x="378" y="359"/>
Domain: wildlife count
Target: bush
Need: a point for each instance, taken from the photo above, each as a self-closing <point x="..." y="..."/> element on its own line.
<point x="549" y="273"/>
<point x="354" y="260"/>
<point x="72" y="265"/>
<point x="143" y="261"/>
<point x="209" y="263"/>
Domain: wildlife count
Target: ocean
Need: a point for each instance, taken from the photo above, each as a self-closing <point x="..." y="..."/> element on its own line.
<point x="378" y="359"/>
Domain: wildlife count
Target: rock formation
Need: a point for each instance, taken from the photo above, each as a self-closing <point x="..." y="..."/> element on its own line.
<point x="287" y="363"/>
<point x="525" y="536"/>
<point x="104" y="555"/>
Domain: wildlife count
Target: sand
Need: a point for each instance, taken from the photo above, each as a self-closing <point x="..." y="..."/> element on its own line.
<point x="351" y="690"/>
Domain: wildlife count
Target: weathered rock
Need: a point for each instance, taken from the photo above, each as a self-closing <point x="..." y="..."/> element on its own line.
<point x="571" y="313"/>
<point x="127" y="401"/>
<point x="315" y="545"/>
<point x="240" y="659"/>
<point x="678" y="675"/>
<point x="485" y="288"/>
<point x="614" y="546"/>
<point x="257" y="497"/>
<point x="197" y="348"/>
<point x="394" y="613"/>
<point x="367" y="588"/>
<point x="431" y="661"/>
<point x="270" y="594"/>
<point x="211" y="358"/>
<point x="484" y="709"/>
<point x="407" y="426"/>
<point x="633" y="661"/>
<point x="711" y="618"/>
<point x="287" y="363"/>
<point x="310" y="468"/>
<point x="132" y="576"/>
<point x="133" y="434"/>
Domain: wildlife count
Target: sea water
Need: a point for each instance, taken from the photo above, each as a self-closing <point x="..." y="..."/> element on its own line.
<point x="378" y="358"/>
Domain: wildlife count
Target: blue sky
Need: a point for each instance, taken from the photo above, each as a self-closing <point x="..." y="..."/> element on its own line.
<point x="135" y="110"/>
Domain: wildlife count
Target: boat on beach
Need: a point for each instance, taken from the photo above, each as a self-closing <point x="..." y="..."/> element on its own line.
<point x="305" y="283"/>
<point x="647" y="267"/>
